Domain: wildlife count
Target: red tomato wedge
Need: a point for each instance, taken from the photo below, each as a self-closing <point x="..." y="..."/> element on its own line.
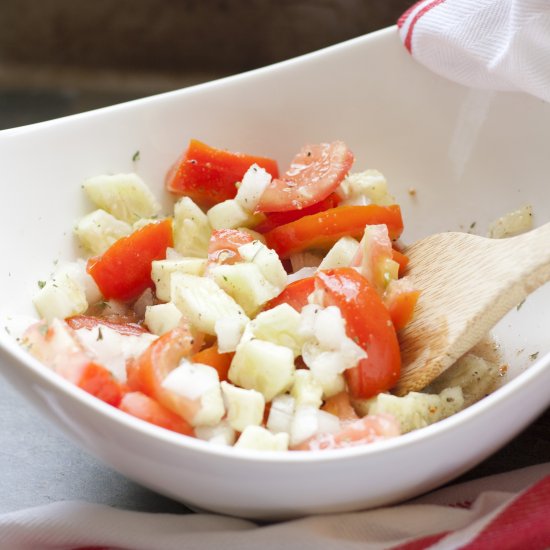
<point x="123" y="272"/>
<point x="322" y="230"/>
<point x="275" y="219"/>
<point x="314" y="173"/>
<point x="58" y="348"/>
<point x="208" y="175"/>
<point x="295" y="294"/>
<point x="89" y="322"/>
<point x="147" y="372"/>
<point x="369" y="324"/>
<point x="212" y="357"/>
<point x="223" y="247"/>
<point x="143" y="407"/>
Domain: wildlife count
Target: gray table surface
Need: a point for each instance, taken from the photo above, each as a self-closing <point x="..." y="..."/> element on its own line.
<point x="38" y="465"/>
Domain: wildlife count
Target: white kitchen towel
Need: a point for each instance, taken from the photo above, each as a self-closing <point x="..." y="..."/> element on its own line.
<point x="491" y="44"/>
<point x="506" y="511"/>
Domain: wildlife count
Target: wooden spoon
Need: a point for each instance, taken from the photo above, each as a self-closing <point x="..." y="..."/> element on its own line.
<point x="468" y="284"/>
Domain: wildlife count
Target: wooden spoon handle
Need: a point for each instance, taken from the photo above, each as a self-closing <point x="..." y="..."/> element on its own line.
<point x="468" y="284"/>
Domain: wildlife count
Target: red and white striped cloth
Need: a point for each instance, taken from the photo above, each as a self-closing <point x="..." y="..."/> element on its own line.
<point x="508" y="511"/>
<point x="491" y="44"/>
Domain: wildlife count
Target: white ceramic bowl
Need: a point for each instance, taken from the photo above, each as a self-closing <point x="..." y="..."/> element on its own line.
<point x="471" y="155"/>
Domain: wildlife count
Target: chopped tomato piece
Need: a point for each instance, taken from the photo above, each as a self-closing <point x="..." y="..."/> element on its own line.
<point x="147" y="372"/>
<point x="223" y="247"/>
<point x="315" y="172"/>
<point x="400" y="299"/>
<point x="295" y="294"/>
<point x="402" y="260"/>
<point x="89" y="322"/>
<point x="143" y="407"/>
<point x="359" y="432"/>
<point x="275" y="219"/>
<point x="123" y="271"/>
<point x="98" y="381"/>
<point x="211" y="356"/>
<point x="58" y="348"/>
<point x="322" y="230"/>
<point x="369" y="324"/>
<point x="208" y="175"/>
<point x="339" y="405"/>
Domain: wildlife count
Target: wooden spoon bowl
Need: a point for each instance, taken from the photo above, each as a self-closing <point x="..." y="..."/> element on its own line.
<point x="468" y="284"/>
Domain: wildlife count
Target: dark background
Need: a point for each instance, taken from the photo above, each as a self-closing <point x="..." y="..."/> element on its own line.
<point x="59" y="57"/>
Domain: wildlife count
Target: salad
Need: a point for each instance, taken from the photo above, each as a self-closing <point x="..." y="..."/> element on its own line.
<point x="262" y="314"/>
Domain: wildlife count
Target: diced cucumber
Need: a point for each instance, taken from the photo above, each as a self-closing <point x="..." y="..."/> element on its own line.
<point x="306" y="390"/>
<point x="267" y="261"/>
<point x="77" y="272"/>
<point x="370" y="185"/>
<point x="245" y="283"/>
<point x="98" y="230"/>
<point x="279" y="325"/>
<point x="191" y="229"/>
<point x="125" y="196"/>
<point x="60" y="298"/>
<point x="260" y="439"/>
<point x="264" y="367"/>
<point x="414" y="410"/>
<point x="162" y="318"/>
<point x="341" y="254"/>
<point x="229" y="331"/>
<point x="281" y="413"/>
<point x="244" y="407"/>
<point x="202" y="301"/>
<point x="162" y="270"/>
<point x="230" y="214"/>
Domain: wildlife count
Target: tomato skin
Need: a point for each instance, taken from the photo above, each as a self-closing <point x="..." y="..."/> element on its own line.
<point x="369" y="324"/>
<point x="223" y="247"/>
<point x="145" y="408"/>
<point x="275" y="219"/>
<point x="314" y="173"/>
<point x="322" y="230"/>
<point x="295" y="294"/>
<point x="208" y="175"/>
<point x="89" y="322"/>
<point x="123" y="272"/>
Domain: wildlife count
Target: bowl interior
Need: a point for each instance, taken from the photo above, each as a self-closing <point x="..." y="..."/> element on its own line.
<point x="471" y="156"/>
